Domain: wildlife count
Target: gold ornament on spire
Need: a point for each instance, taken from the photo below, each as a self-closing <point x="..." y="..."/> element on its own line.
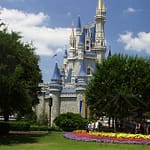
<point x="104" y="8"/>
<point x="100" y="4"/>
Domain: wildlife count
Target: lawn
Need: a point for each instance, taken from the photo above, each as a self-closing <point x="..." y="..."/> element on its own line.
<point x="56" y="141"/>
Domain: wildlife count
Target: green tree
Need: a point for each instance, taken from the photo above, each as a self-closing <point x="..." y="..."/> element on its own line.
<point x="120" y="87"/>
<point x="19" y="75"/>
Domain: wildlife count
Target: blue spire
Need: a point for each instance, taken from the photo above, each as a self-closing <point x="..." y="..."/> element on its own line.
<point x="82" y="37"/>
<point x="69" y="76"/>
<point x="66" y="54"/>
<point x="109" y="53"/>
<point x="56" y="75"/>
<point x="79" y="23"/>
<point x="82" y="76"/>
<point x="82" y="72"/>
<point x="93" y="30"/>
<point x="63" y="72"/>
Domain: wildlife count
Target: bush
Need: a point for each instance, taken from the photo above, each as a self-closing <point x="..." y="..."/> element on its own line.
<point x="70" y="121"/>
<point x="55" y="128"/>
<point x="19" y="126"/>
<point x="38" y="128"/>
<point x="4" y="127"/>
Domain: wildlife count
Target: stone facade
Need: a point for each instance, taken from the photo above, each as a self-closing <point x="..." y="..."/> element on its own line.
<point x="68" y="83"/>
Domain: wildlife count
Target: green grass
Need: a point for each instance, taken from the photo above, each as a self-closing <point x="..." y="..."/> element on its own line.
<point x="56" y="141"/>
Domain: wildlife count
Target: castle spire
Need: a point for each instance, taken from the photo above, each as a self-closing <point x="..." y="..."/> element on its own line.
<point x="104" y="8"/>
<point x="72" y="37"/>
<point x="100" y="4"/>
<point x="79" y="23"/>
<point x="109" y="52"/>
<point x="101" y="7"/>
<point x="56" y="74"/>
<point x="72" y="33"/>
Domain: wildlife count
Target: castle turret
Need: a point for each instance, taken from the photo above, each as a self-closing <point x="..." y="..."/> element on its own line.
<point x="100" y="18"/>
<point x="55" y="90"/>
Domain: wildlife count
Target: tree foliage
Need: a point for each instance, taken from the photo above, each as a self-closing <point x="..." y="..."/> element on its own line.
<point x="19" y="74"/>
<point x="120" y="86"/>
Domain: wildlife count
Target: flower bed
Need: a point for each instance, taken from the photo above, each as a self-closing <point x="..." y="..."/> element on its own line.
<point x="108" y="137"/>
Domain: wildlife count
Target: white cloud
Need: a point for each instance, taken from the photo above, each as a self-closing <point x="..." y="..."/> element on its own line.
<point x="33" y="29"/>
<point x="141" y="42"/>
<point x="131" y="10"/>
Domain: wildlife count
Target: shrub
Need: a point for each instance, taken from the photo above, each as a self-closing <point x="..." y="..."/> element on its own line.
<point x="19" y="126"/>
<point x="55" y="128"/>
<point x="38" y="128"/>
<point x="4" y="127"/>
<point x="70" y="121"/>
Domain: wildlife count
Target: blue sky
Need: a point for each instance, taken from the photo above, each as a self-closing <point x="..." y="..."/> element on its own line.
<point x="47" y="24"/>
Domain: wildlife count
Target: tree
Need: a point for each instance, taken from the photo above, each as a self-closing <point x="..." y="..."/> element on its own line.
<point x="19" y="75"/>
<point x="120" y="87"/>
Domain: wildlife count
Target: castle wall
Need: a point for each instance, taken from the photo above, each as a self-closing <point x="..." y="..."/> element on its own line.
<point x="41" y="109"/>
<point x="69" y="104"/>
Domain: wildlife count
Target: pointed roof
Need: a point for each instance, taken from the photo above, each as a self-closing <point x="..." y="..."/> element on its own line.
<point x="82" y="76"/>
<point x="63" y="72"/>
<point x="82" y="37"/>
<point x="69" y="76"/>
<point x="93" y="30"/>
<point x="79" y="23"/>
<point x="72" y="33"/>
<point x="104" y="8"/>
<point x="109" y="53"/>
<point x="66" y="53"/>
<point x="82" y="72"/>
<point x="56" y="74"/>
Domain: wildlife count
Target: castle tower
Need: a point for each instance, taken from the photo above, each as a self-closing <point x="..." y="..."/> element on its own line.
<point x="55" y="89"/>
<point x="100" y="18"/>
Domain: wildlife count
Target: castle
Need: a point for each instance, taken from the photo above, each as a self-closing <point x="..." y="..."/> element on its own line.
<point x="68" y="83"/>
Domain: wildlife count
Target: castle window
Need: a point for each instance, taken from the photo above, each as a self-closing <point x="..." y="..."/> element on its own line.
<point x="87" y="47"/>
<point x="88" y="71"/>
<point x="87" y="42"/>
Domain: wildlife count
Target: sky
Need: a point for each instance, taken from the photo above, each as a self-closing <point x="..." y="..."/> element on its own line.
<point x="46" y="24"/>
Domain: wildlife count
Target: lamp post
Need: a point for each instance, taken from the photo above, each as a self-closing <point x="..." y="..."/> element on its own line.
<point x="50" y="101"/>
